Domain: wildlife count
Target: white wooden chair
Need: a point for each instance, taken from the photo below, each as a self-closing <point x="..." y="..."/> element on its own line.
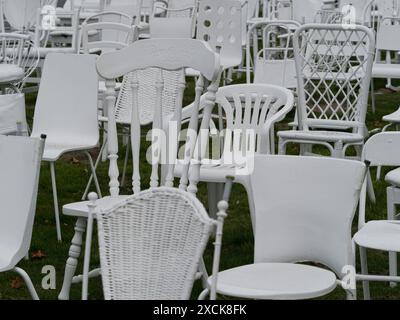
<point x="333" y="66"/>
<point x="381" y="150"/>
<point x="19" y="175"/>
<point x="164" y="54"/>
<point x="298" y="220"/>
<point x="66" y="111"/>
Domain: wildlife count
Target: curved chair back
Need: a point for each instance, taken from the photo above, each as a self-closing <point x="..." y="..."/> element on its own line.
<point x="305" y="208"/>
<point x="19" y="175"/>
<point x="66" y="106"/>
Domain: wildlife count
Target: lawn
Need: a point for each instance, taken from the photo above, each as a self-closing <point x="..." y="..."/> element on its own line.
<point x="72" y="175"/>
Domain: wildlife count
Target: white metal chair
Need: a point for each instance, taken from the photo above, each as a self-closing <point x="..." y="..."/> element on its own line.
<point x="251" y="112"/>
<point x="164" y="54"/>
<point x="333" y="67"/>
<point x="381" y="150"/>
<point x="19" y="175"/>
<point x="298" y="220"/>
<point x="19" y="58"/>
<point x="66" y="111"/>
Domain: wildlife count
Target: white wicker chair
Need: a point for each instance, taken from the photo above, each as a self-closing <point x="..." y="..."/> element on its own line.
<point x="333" y="65"/>
<point x="164" y="54"/>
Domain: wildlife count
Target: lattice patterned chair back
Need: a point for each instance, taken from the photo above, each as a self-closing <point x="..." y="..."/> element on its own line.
<point x="334" y="66"/>
<point x="168" y="227"/>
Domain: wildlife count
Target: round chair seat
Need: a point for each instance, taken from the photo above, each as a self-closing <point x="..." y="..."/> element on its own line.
<point x="278" y="281"/>
<point x="10" y="73"/>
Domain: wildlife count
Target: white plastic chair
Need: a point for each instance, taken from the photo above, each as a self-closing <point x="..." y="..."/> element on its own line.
<point x="66" y="111"/>
<point x="12" y="114"/>
<point x="164" y="54"/>
<point x="381" y="150"/>
<point x="298" y="220"/>
<point x="19" y="58"/>
<point x="19" y="175"/>
<point x="251" y="112"/>
<point x="333" y="67"/>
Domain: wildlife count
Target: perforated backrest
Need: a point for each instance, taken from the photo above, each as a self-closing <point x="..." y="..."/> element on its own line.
<point x="383" y="149"/>
<point x="333" y="66"/>
<point x="19" y="178"/>
<point x="304" y="208"/>
<point x="164" y="54"/>
<point x="66" y="106"/>
<point x="219" y="24"/>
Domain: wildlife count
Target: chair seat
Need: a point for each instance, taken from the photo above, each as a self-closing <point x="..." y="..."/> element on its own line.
<point x="393" y="177"/>
<point x="53" y="151"/>
<point x="10" y="73"/>
<point x="45" y="51"/>
<point x="277" y="281"/>
<point x="317" y="135"/>
<point x="384" y="70"/>
<point x="379" y="235"/>
<point x="393" y="117"/>
<point x="81" y="209"/>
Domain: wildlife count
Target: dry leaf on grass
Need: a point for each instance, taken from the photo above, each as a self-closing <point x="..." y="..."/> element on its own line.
<point x="16" y="283"/>
<point x="38" y="255"/>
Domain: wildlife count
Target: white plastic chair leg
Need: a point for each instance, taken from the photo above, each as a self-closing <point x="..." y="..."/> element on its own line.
<point x="72" y="261"/>
<point x="93" y="169"/>
<point x="373" y="102"/>
<point x="370" y="188"/>
<point x="28" y="283"/>
<point x="391" y="213"/>
<point x="55" y="199"/>
<point x="364" y="271"/>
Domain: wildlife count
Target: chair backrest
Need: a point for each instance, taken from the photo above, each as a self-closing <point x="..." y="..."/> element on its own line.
<point x="219" y="24"/>
<point x="376" y="10"/>
<point x="299" y="216"/>
<point x="163" y="54"/>
<point x="19" y="175"/>
<point x="169" y="230"/>
<point x="19" y="50"/>
<point x="382" y="149"/>
<point x="356" y="11"/>
<point x="129" y="7"/>
<point x="305" y="11"/>
<point x="66" y="106"/>
<point x="174" y="23"/>
<point x="12" y="114"/>
<point x="107" y="31"/>
<point x="251" y="110"/>
<point x="386" y="33"/>
<point x="274" y="63"/>
<point x="333" y="66"/>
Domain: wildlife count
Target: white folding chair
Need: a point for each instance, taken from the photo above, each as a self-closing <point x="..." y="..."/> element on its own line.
<point x="19" y="175"/>
<point x="381" y="150"/>
<point x="304" y="208"/>
<point x="155" y="54"/>
<point x="66" y="111"/>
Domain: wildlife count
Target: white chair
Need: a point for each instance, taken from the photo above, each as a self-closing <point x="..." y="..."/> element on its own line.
<point x="251" y="112"/>
<point x="299" y="220"/>
<point x="164" y="55"/>
<point x="19" y="58"/>
<point x="388" y="29"/>
<point x="66" y="111"/>
<point x="333" y="66"/>
<point x="381" y="150"/>
<point x="274" y="63"/>
<point x="19" y="175"/>
<point x="12" y="114"/>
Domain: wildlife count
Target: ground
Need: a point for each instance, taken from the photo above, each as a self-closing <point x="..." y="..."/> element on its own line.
<point x="72" y="175"/>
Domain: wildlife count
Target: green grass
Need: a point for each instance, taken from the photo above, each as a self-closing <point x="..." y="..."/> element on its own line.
<point x="238" y="239"/>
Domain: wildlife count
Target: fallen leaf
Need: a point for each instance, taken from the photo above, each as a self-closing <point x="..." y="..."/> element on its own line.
<point x="38" y="255"/>
<point x="75" y="160"/>
<point x="16" y="283"/>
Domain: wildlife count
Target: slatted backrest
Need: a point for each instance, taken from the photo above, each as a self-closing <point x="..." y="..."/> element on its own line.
<point x="219" y="24"/>
<point x="164" y="54"/>
<point x="333" y="66"/>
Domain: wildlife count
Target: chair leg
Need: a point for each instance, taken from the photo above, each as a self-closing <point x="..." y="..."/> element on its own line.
<point x="28" y="283"/>
<point x="85" y="194"/>
<point x="391" y="212"/>
<point x="72" y="261"/>
<point x="370" y="188"/>
<point x="125" y="164"/>
<point x="373" y="102"/>
<point x="281" y="147"/>
<point x="212" y="199"/>
<point x="93" y="169"/>
<point x="55" y="199"/>
<point x="364" y="270"/>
